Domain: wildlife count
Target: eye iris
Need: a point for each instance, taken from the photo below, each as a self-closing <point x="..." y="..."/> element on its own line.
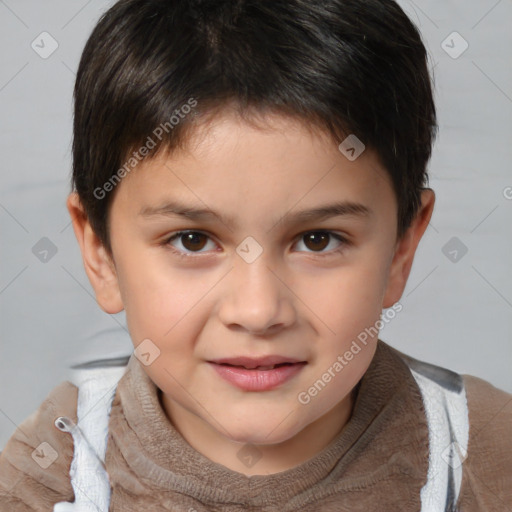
<point x="319" y="240"/>
<point x="191" y="240"/>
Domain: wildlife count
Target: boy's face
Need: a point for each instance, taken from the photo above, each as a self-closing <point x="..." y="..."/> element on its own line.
<point x="212" y="296"/>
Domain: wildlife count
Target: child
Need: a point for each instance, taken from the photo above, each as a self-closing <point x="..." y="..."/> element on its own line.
<point x="258" y="381"/>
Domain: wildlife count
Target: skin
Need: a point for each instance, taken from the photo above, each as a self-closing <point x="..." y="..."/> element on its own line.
<point x="299" y="298"/>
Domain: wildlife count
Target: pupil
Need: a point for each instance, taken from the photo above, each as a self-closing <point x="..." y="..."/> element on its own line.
<point x="191" y="240"/>
<point x="317" y="238"/>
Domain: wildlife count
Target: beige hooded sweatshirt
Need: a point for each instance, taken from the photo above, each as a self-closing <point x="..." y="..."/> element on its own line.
<point x="378" y="462"/>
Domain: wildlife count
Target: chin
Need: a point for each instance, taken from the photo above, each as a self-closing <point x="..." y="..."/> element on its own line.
<point x="263" y="432"/>
<point x="259" y="438"/>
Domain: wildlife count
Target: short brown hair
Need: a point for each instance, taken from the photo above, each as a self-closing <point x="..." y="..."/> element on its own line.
<point x="347" y="66"/>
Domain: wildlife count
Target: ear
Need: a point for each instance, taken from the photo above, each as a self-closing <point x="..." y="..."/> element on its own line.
<point x="406" y="248"/>
<point x="98" y="264"/>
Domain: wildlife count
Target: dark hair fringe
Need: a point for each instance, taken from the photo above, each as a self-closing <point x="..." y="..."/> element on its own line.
<point x="345" y="66"/>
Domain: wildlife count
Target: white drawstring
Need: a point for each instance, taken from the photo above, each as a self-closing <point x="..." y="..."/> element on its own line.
<point x="89" y="478"/>
<point x="446" y="412"/>
<point x="88" y="474"/>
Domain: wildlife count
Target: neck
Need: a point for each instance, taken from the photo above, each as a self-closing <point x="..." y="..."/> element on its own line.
<point x="271" y="458"/>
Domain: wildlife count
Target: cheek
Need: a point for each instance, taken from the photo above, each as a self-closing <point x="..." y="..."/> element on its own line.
<point x="163" y="303"/>
<point x="154" y="297"/>
<point x="349" y="299"/>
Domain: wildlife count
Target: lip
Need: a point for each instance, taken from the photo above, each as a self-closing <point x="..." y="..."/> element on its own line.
<point x="257" y="379"/>
<point x="253" y="362"/>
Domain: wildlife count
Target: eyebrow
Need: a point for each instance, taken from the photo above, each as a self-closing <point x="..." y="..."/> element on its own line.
<point x="336" y="209"/>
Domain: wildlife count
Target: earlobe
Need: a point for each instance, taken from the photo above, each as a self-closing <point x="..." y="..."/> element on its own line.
<point x="406" y="248"/>
<point x="98" y="264"/>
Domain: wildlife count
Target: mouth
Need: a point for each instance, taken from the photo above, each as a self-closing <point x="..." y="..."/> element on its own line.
<point x="262" y="368"/>
<point x="268" y="362"/>
<point x="262" y="374"/>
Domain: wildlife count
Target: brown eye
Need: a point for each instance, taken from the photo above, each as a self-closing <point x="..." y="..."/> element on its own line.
<point x="190" y="241"/>
<point x="193" y="241"/>
<point x="317" y="241"/>
<point x="322" y="242"/>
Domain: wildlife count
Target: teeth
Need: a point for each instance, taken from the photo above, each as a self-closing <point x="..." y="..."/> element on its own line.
<point x="257" y="367"/>
<point x="271" y="367"/>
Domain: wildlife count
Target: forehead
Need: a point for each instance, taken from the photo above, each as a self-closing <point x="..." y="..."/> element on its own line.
<point x="237" y="168"/>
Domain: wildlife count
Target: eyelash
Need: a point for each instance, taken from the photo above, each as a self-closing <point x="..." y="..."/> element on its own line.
<point x="344" y="243"/>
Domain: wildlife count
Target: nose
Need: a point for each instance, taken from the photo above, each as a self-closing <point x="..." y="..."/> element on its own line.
<point x="256" y="299"/>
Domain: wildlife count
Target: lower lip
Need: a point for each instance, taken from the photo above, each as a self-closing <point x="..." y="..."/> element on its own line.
<point x="257" y="380"/>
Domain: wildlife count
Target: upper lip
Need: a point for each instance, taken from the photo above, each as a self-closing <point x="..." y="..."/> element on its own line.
<point x="254" y="362"/>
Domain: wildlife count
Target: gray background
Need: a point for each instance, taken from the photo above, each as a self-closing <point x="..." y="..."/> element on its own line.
<point x="457" y="308"/>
